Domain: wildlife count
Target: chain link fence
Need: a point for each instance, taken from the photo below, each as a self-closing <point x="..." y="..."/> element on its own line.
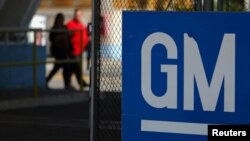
<point x="233" y="5"/>
<point x="109" y="50"/>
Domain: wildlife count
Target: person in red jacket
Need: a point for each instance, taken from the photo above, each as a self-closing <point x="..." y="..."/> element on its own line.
<point x="78" y="44"/>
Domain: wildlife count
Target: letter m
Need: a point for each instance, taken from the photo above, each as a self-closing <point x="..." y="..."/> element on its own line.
<point x="224" y="72"/>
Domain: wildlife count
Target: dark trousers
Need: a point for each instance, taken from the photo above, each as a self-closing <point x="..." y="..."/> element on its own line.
<point x="55" y="69"/>
<point x="75" y="68"/>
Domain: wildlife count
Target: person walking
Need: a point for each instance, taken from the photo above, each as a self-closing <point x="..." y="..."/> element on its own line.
<point x="60" y="46"/>
<point x="78" y="44"/>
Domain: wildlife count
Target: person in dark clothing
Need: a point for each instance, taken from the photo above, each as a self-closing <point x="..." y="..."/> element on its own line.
<point x="60" y="46"/>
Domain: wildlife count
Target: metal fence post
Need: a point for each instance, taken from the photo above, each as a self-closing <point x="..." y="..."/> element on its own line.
<point x="208" y="5"/>
<point x="227" y="5"/>
<point x="220" y="5"/>
<point x="198" y="5"/>
<point x="34" y="49"/>
<point x="81" y="61"/>
<point x="94" y="62"/>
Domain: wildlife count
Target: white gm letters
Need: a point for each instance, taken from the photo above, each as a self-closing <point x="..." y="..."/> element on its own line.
<point x="224" y="73"/>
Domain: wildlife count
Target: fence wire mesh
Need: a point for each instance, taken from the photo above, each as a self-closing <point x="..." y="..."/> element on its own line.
<point x="109" y="64"/>
<point x="235" y="5"/>
<point x="109" y="58"/>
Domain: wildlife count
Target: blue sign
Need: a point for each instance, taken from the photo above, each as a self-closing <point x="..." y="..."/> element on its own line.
<point x="183" y="72"/>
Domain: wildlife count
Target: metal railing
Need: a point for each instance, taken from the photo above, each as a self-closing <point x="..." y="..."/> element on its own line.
<point x="34" y="63"/>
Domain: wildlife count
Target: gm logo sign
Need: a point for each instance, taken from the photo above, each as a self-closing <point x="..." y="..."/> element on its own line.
<point x="194" y="73"/>
<point x="182" y="72"/>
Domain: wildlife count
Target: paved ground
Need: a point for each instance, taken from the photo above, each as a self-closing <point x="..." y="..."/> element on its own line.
<point x="52" y="123"/>
<point x="54" y="115"/>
